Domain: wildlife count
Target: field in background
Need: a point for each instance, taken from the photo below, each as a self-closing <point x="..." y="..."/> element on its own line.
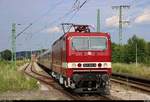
<point x="141" y="70"/>
<point x="13" y="80"/>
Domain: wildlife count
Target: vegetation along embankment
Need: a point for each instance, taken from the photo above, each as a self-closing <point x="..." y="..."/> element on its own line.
<point x="132" y="58"/>
<point x="13" y="80"/>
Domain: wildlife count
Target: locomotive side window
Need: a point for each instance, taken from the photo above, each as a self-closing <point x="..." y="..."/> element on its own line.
<point x="89" y="43"/>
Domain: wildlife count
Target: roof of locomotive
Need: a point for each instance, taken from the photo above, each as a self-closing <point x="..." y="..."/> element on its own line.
<point x="84" y="34"/>
<point x="79" y="30"/>
<point x="88" y="33"/>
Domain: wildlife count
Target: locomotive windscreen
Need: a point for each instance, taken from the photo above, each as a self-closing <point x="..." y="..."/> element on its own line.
<point x="89" y="43"/>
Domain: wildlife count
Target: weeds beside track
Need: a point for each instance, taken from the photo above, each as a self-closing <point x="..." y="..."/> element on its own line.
<point x="11" y="79"/>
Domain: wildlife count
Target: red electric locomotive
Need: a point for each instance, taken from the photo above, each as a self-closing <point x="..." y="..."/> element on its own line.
<point x="81" y="60"/>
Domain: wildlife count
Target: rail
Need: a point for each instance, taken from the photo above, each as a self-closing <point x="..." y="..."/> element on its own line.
<point x="134" y="81"/>
<point x="48" y="80"/>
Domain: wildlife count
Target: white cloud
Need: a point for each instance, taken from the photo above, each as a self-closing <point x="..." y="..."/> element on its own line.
<point x="53" y="30"/>
<point x="112" y="21"/>
<point x="144" y="17"/>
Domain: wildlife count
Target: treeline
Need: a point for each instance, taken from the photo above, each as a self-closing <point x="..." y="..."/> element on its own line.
<point x="127" y="53"/>
<point x="120" y="53"/>
<point x="7" y="54"/>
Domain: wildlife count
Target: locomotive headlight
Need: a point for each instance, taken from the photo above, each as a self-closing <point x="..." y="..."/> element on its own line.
<point x="105" y="65"/>
<point x="73" y="65"/>
<point x="79" y="64"/>
<point x="99" y="64"/>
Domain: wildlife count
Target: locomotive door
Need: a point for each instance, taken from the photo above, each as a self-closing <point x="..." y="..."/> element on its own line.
<point x="63" y="54"/>
<point x="61" y="51"/>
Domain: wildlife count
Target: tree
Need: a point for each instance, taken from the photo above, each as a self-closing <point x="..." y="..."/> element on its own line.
<point x="116" y="53"/>
<point x="127" y="53"/>
<point x="6" y="55"/>
<point x="131" y="49"/>
<point x="148" y="53"/>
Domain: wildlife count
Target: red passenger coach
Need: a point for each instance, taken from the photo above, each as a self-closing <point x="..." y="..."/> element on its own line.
<point x="81" y="60"/>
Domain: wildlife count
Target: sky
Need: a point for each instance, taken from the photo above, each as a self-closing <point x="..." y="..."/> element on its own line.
<point x="47" y="15"/>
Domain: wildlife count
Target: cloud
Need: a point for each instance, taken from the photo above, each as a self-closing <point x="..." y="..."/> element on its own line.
<point x="144" y="17"/>
<point x="53" y="30"/>
<point x="112" y="21"/>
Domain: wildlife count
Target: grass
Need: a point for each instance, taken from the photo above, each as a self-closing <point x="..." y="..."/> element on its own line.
<point x="141" y="70"/>
<point x="13" y="80"/>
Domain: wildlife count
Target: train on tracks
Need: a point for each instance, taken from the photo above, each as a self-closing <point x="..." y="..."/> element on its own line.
<point x="80" y="60"/>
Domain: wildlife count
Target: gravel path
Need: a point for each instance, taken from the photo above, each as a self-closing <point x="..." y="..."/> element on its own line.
<point x="33" y="95"/>
<point x="49" y="93"/>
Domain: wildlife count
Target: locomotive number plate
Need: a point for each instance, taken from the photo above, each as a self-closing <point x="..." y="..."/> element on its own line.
<point x="89" y="65"/>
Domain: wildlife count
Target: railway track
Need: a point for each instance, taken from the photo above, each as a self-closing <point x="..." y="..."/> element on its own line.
<point x="136" y="82"/>
<point x="29" y="70"/>
<point x="48" y="80"/>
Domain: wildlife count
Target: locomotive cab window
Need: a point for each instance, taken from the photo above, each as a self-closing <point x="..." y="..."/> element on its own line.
<point x="80" y="43"/>
<point x="89" y="43"/>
